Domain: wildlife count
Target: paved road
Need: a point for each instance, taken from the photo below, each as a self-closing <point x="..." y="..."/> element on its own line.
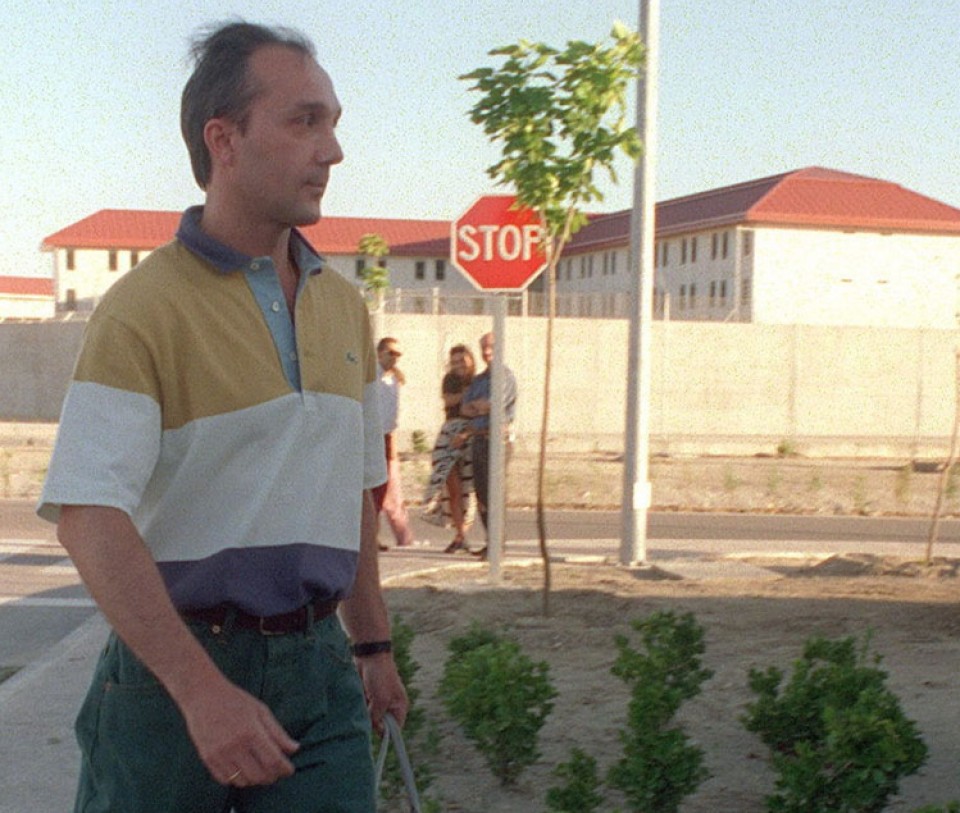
<point x="680" y="525"/>
<point x="42" y="600"/>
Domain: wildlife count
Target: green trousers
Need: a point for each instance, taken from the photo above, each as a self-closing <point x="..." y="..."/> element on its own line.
<point x="138" y="758"/>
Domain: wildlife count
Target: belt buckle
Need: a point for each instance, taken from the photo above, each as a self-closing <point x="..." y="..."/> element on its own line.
<point x="264" y="630"/>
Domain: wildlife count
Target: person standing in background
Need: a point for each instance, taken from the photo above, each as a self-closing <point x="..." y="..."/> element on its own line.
<point x="476" y="406"/>
<point x="388" y="498"/>
<point x="447" y="499"/>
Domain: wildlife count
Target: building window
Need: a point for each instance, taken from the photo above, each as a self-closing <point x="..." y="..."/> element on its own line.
<point x="682" y="304"/>
<point x="420" y="269"/>
<point x="723" y="293"/>
<point x="71" y="299"/>
<point x="683" y="251"/>
<point x="713" y="293"/>
<point x="745" y="292"/>
<point x="606" y="263"/>
<point x="112" y="260"/>
<point x="590" y="266"/>
<point x="382" y="262"/>
<point x="134" y="258"/>
<point x="747" y="243"/>
<point x="666" y="254"/>
<point x="725" y="248"/>
<point x="440" y="270"/>
<point x="613" y="262"/>
<point x="359" y="265"/>
<point x="583" y="266"/>
<point x="71" y="260"/>
<point x="693" y="249"/>
<point x="693" y="296"/>
<point x="713" y="246"/>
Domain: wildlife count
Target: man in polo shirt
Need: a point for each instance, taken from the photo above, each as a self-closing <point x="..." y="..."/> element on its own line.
<point x="212" y="471"/>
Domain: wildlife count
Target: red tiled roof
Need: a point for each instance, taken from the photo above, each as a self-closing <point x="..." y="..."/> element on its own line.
<point x="853" y="201"/>
<point x="116" y="228"/>
<point x="813" y="196"/>
<point x="125" y="228"/>
<point x="26" y="286"/>
<point x="340" y="235"/>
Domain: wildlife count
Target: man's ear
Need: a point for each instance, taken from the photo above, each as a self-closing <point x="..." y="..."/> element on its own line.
<point x="218" y="135"/>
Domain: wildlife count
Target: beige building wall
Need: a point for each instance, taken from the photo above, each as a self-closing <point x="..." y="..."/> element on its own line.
<point x="818" y="277"/>
<point x="776" y="275"/>
<point x="26" y="307"/>
<point x="83" y="275"/>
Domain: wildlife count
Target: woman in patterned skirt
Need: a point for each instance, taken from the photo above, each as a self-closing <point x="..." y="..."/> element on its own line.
<point x="447" y="500"/>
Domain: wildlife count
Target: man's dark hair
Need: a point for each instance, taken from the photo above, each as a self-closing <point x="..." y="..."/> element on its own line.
<point x="385" y="342"/>
<point x="218" y="86"/>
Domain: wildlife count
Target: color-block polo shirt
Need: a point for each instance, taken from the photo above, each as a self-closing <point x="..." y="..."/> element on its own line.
<point x="238" y="440"/>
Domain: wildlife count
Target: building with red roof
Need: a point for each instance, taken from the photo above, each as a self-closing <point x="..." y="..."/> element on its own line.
<point x="26" y="297"/>
<point x="813" y="246"/>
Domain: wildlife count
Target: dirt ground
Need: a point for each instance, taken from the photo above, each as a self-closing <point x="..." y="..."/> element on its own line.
<point x="912" y="615"/>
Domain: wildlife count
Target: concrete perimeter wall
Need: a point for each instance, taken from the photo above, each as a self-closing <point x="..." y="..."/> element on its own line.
<point x="717" y="388"/>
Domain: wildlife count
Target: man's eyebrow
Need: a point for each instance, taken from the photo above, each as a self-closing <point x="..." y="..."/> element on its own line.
<point x="318" y="107"/>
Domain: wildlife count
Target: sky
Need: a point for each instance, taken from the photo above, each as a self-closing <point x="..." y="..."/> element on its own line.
<point x="747" y="88"/>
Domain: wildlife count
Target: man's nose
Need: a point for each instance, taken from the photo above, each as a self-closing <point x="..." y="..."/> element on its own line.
<point x="329" y="150"/>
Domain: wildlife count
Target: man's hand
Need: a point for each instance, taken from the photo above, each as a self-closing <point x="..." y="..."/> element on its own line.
<point x="237" y="737"/>
<point x="365" y="617"/>
<point x="383" y="688"/>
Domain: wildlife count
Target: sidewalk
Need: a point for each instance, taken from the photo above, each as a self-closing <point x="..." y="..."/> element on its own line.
<point x="40" y="762"/>
<point x="38" y="705"/>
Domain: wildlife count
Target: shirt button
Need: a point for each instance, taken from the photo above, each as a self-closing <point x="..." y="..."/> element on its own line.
<point x="255" y="266"/>
<point x="275" y="307"/>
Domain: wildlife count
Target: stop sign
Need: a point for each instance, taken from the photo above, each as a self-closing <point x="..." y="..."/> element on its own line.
<point x="496" y="246"/>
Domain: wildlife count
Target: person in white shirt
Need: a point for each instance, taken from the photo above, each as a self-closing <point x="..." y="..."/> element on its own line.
<point x="389" y="497"/>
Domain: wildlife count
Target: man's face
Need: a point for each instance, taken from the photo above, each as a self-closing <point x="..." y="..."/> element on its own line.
<point x="486" y="349"/>
<point x="281" y="161"/>
<point x="388" y="355"/>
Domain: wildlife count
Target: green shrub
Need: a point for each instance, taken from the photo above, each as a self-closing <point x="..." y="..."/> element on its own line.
<point x="860" y="502"/>
<point x="730" y="480"/>
<point x="838" y="738"/>
<point x="500" y="697"/>
<point x="580" y="791"/>
<point x="786" y="448"/>
<point x="418" y="439"/>
<point x="659" y="767"/>
<point x="902" y="484"/>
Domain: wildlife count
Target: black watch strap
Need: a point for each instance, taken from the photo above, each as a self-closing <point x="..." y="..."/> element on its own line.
<point x="372" y="648"/>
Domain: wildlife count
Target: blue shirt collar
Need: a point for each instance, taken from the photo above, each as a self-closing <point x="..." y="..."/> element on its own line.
<point x="227" y="260"/>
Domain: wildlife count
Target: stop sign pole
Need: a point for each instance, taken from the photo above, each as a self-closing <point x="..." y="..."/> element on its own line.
<point x="497" y="246"/>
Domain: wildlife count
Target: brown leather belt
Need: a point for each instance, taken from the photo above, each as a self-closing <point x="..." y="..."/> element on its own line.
<point x="298" y="620"/>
